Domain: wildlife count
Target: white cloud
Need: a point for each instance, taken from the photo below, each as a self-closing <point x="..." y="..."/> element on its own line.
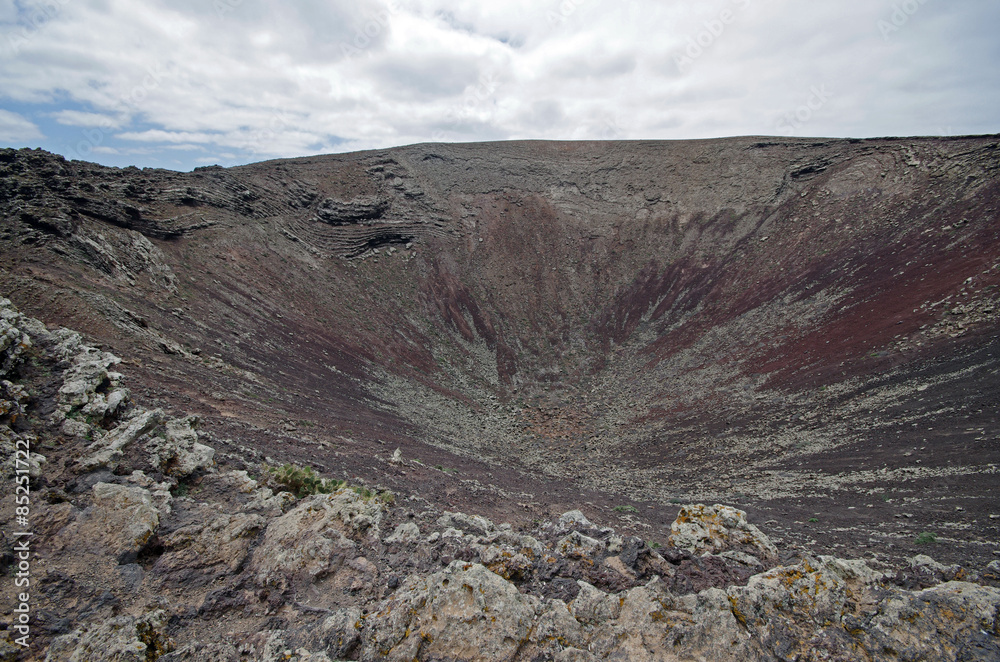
<point x="86" y="120"/>
<point x="17" y="130"/>
<point x="185" y="147"/>
<point x="156" y="135"/>
<point x="271" y="79"/>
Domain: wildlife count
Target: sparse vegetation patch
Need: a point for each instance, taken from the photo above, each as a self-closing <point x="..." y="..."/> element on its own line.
<point x="303" y="481"/>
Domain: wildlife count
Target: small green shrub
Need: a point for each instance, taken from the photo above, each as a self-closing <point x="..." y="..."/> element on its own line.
<point x="303" y="481"/>
<point x="926" y="538"/>
<point x="813" y="519"/>
<point x="626" y="509"/>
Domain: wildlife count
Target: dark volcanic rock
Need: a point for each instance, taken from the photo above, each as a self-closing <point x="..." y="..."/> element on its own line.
<point x="336" y="212"/>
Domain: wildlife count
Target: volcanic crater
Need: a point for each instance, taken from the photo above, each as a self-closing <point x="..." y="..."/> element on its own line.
<point x="805" y="329"/>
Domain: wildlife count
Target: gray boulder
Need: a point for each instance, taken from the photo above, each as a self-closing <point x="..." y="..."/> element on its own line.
<point x="464" y="612"/>
<point x="120" y="639"/>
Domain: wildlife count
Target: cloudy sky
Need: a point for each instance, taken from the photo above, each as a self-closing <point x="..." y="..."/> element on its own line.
<point x="182" y="83"/>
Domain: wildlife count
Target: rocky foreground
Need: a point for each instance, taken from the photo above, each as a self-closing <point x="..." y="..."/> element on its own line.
<point x="145" y="550"/>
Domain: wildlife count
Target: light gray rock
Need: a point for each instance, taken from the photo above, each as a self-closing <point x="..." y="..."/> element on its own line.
<point x="744" y="559"/>
<point x="303" y="655"/>
<point x="522" y="543"/>
<point x="717" y="634"/>
<point x="202" y="652"/>
<point x="73" y="427"/>
<point x="505" y="561"/>
<point x="404" y="533"/>
<point x="576" y="545"/>
<point x="787" y="606"/>
<point x="265" y="501"/>
<point x="120" y="639"/>
<point x="121" y="522"/>
<point x="472" y="524"/>
<point x="615" y="544"/>
<point x="557" y="625"/>
<point x="361" y="515"/>
<point x="922" y="562"/>
<point x="13" y="398"/>
<point x="949" y="622"/>
<point x="592" y="605"/>
<point x="341" y="632"/>
<point x="702" y="529"/>
<point x="464" y="612"/>
<point x="178" y="452"/>
<point x="65" y="343"/>
<point x="108" y="451"/>
<point x="311" y="541"/>
<point x="13" y="341"/>
<point x="9" y="444"/>
<point x="640" y="630"/>
<point x="276" y="649"/>
<point x="116" y="400"/>
<point x="239" y="481"/>
<point x="89" y="371"/>
<point x="159" y="492"/>
<point x="574" y="520"/>
<point x="365" y="573"/>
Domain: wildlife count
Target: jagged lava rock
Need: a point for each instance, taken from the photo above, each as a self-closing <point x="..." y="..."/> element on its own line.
<point x="716" y="529"/>
<point x="464" y="612"/>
